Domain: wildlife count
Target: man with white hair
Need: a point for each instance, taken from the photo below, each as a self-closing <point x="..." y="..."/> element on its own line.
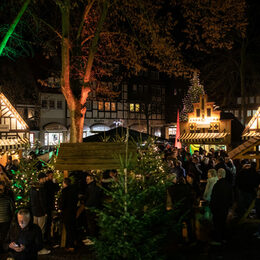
<point x="24" y="239"/>
<point x="220" y="202"/>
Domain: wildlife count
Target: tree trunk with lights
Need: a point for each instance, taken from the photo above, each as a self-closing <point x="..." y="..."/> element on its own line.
<point x="77" y="106"/>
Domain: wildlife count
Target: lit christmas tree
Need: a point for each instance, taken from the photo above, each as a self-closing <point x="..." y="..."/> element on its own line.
<point x="193" y="96"/>
<point x="134" y="223"/>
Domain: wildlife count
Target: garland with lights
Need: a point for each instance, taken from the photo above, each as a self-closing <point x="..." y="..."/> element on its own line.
<point x="193" y="96"/>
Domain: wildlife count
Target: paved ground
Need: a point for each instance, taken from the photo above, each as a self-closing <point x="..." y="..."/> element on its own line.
<point x="241" y="246"/>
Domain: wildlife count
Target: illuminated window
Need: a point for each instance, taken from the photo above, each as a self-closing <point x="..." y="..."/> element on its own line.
<point x="44" y="104"/>
<point x="31" y="138"/>
<point x="51" y="104"/>
<point x="249" y="112"/>
<point x="172" y="130"/>
<point x="254" y="111"/>
<point x="239" y="100"/>
<point x="107" y="106"/>
<point x="236" y="112"/>
<point x="197" y="112"/>
<point x="113" y="106"/>
<point x="208" y="112"/>
<point x="100" y="106"/>
<point x="132" y="107"/>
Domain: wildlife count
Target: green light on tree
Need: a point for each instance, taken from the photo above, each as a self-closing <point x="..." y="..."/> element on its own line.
<point x="12" y="27"/>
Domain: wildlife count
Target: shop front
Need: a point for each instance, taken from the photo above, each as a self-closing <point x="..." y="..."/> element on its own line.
<point x="205" y="129"/>
<point x="54" y="134"/>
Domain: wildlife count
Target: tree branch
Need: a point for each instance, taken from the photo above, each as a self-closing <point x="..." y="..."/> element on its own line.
<point x="93" y="47"/>
<point x="44" y="22"/>
<point x="86" y="11"/>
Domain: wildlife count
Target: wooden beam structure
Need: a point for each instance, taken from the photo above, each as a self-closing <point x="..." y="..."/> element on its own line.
<point x="92" y="156"/>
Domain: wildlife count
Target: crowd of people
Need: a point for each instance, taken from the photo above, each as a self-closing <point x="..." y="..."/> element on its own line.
<point x="212" y="180"/>
<point x="209" y="179"/>
<point x="26" y="233"/>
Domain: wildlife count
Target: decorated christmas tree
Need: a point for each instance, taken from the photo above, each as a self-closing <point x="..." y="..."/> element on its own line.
<point x="22" y="180"/>
<point x="193" y="96"/>
<point x="26" y="175"/>
<point x="134" y="223"/>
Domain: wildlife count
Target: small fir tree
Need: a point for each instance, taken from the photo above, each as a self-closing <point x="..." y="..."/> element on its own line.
<point x="134" y="222"/>
<point x="22" y="179"/>
<point x="193" y="96"/>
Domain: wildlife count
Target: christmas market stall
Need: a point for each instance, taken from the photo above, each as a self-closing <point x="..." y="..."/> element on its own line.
<point x="250" y="149"/>
<point x="14" y="132"/>
<point x="93" y="156"/>
<point x="209" y="128"/>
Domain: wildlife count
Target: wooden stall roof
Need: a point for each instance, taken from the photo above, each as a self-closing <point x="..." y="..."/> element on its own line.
<point x="92" y="155"/>
<point x="12" y="144"/>
<point x="246" y="150"/>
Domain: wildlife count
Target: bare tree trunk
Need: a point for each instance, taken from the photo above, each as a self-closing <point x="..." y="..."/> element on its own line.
<point x="77" y="107"/>
<point x="77" y="117"/>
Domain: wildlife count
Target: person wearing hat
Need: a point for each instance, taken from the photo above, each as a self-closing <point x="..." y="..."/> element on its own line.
<point x="38" y="205"/>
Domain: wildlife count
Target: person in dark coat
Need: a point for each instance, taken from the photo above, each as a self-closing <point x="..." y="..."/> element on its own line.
<point x="39" y="206"/>
<point x="220" y="163"/>
<point x="93" y="200"/>
<point x="247" y="182"/>
<point x="220" y="202"/>
<point x="24" y="238"/>
<point x="181" y="200"/>
<point x="51" y="189"/>
<point x="38" y="202"/>
<point x="6" y="213"/>
<point x="69" y="200"/>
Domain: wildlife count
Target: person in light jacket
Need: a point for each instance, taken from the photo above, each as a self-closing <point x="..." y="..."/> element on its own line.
<point x="212" y="179"/>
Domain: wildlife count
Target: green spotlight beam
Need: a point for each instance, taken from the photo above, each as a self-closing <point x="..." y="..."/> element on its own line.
<point x="13" y="25"/>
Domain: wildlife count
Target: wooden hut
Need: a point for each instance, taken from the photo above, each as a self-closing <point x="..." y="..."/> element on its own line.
<point x="250" y="148"/>
<point x="14" y="132"/>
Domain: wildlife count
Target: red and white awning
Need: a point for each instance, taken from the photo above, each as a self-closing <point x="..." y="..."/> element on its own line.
<point x="202" y="137"/>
